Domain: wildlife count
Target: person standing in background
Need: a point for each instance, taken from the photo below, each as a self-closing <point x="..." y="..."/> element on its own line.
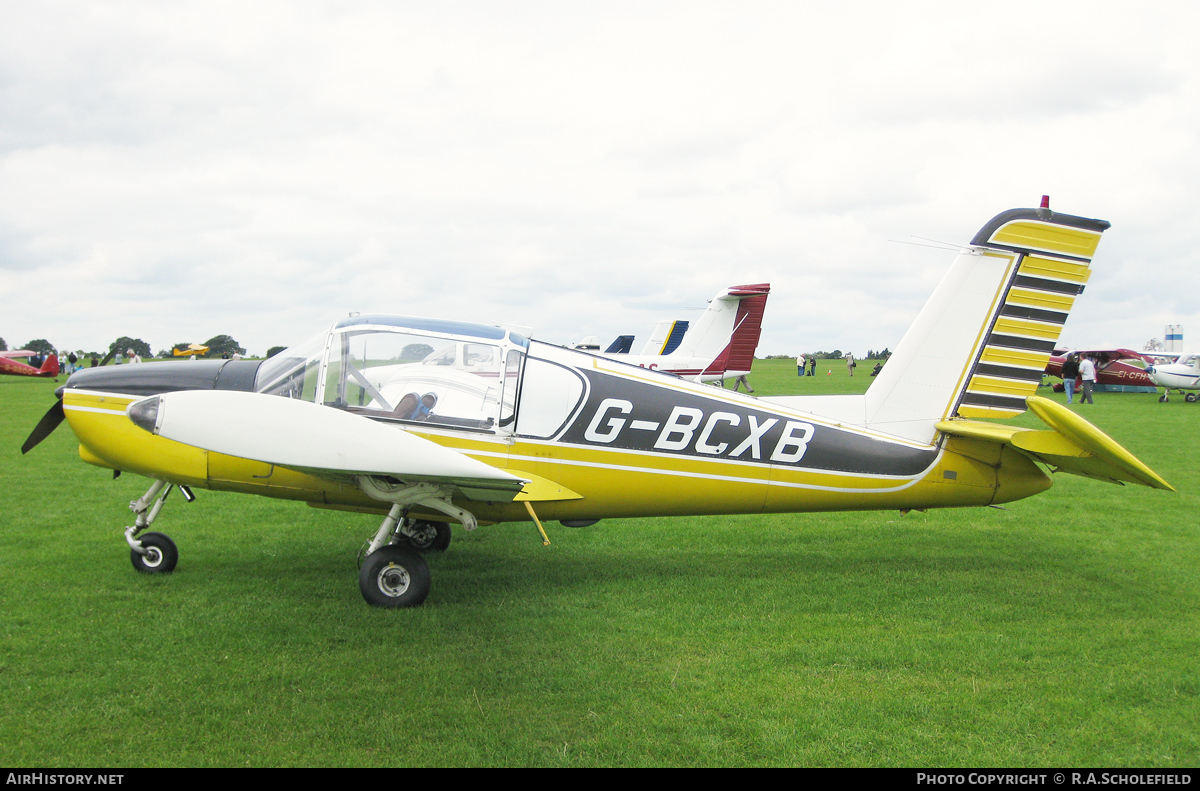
<point x="1070" y="370"/>
<point x="1087" y="370"/>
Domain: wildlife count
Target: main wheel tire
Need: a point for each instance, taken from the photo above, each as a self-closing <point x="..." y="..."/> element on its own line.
<point x="161" y="554"/>
<point x="394" y="576"/>
<point x="429" y="536"/>
<point x="1190" y="398"/>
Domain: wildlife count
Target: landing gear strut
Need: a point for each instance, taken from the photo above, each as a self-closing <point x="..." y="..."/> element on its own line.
<point x="393" y="573"/>
<point x="153" y="553"/>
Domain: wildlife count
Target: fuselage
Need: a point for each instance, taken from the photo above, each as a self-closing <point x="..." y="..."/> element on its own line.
<point x="1121" y="367"/>
<point x="17" y="368"/>
<point x="599" y="438"/>
<point x="1181" y="375"/>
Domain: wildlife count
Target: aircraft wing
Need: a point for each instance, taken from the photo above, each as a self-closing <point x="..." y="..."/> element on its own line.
<point x="1114" y="354"/>
<point x="18" y="353"/>
<point x="314" y="439"/>
<point x="1072" y="445"/>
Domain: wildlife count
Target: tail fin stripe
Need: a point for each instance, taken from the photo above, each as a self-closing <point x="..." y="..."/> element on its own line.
<point x="1021" y="312"/>
<point x="1045" y="284"/>
<point x="1008" y="403"/>
<point x="1027" y="329"/>
<point x="1009" y="372"/>
<point x="1050" y="268"/>
<point x="1056" y="238"/>
<point x="674" y="337"/>
<point x="1035" y="298"/>
<point x="1014" y="342"/>
<point x="986" y="384"/>
<point x="1012" y="358"/>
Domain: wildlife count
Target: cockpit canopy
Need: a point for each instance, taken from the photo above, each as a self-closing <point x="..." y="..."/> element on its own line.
<point x="404" y="368"/>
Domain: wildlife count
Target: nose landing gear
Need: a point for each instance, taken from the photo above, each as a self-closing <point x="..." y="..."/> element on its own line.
<point x="153" y="553"/>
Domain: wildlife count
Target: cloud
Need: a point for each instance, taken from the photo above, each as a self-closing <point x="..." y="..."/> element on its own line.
<point x="183" y="171"/>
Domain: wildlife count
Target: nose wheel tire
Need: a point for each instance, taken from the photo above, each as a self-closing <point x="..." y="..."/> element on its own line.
<point x="394" y="576"/>
<point x="161" y="554"/>
<point x="1162" y="399"/>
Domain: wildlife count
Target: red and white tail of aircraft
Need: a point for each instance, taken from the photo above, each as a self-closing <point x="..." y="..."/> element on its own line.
<point x="9" y="365"/>
<point x="718" y="345"/>
<point x="1113" y="366"/>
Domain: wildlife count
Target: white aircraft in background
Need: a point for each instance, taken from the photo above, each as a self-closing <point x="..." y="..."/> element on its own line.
<point x="719" y="345"/>
<point x="1183" y="374"/>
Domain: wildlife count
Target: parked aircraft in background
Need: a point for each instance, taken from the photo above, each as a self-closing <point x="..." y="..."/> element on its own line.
<point x="427" y="420"/>
<point x="1113" y="366"/>
<point x="9" y="364"/>
<point x="1183" y="374"/>
<point x="718" y="345"/>
<point x="192" y="350"/>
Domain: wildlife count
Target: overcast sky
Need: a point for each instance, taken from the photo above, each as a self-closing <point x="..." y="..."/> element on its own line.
<point x="173" y="171"/>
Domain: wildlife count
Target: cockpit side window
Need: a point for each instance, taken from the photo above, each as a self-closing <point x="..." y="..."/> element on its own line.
<point x="406" y="376"/>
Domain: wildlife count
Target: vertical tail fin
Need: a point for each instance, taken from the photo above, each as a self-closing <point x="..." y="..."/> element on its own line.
<point x="621" y="345"/>
<point x="980" y="344"/>
<point x="50" y="366"/>
<point x="728" y="331"/>
<point x="666" y="337"/>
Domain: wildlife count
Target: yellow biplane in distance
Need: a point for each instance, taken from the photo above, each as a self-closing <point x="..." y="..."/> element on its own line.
<point x="429" y="421"/>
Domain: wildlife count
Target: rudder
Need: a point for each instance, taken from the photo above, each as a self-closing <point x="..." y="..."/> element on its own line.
<point x="980" y="344"/>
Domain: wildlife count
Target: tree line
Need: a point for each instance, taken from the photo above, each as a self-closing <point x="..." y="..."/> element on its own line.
<point x="219" y="346"/>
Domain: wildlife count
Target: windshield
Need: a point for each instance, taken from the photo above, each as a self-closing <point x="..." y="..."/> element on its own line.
<point x="293" y="372"/>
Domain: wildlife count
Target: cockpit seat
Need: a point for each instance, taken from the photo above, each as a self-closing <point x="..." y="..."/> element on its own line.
<point x="409" y="406"/>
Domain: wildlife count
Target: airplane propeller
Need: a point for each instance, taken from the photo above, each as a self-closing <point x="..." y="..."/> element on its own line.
<point x="55" y="415"/>
<point x="45" y="426"/>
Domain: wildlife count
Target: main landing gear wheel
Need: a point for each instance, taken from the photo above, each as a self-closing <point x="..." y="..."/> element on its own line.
<point x="1190" y="398"/>
<point x="428" y="536"/>
<point x="161" y="554"/>
<point x="394" y="576"/>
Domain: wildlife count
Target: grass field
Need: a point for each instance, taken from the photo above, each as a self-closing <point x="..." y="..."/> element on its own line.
<point x="1063" y="631"/>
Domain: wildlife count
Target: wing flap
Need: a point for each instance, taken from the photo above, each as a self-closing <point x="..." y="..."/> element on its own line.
<point x="1072" y="445"/>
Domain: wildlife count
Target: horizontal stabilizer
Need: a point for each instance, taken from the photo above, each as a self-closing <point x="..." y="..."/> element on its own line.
<point x="321" y="440"/>
<point x="1073" y="445"/>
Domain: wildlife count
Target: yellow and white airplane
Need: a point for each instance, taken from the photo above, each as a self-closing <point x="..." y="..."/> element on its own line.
<point x="430" y="421"/>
